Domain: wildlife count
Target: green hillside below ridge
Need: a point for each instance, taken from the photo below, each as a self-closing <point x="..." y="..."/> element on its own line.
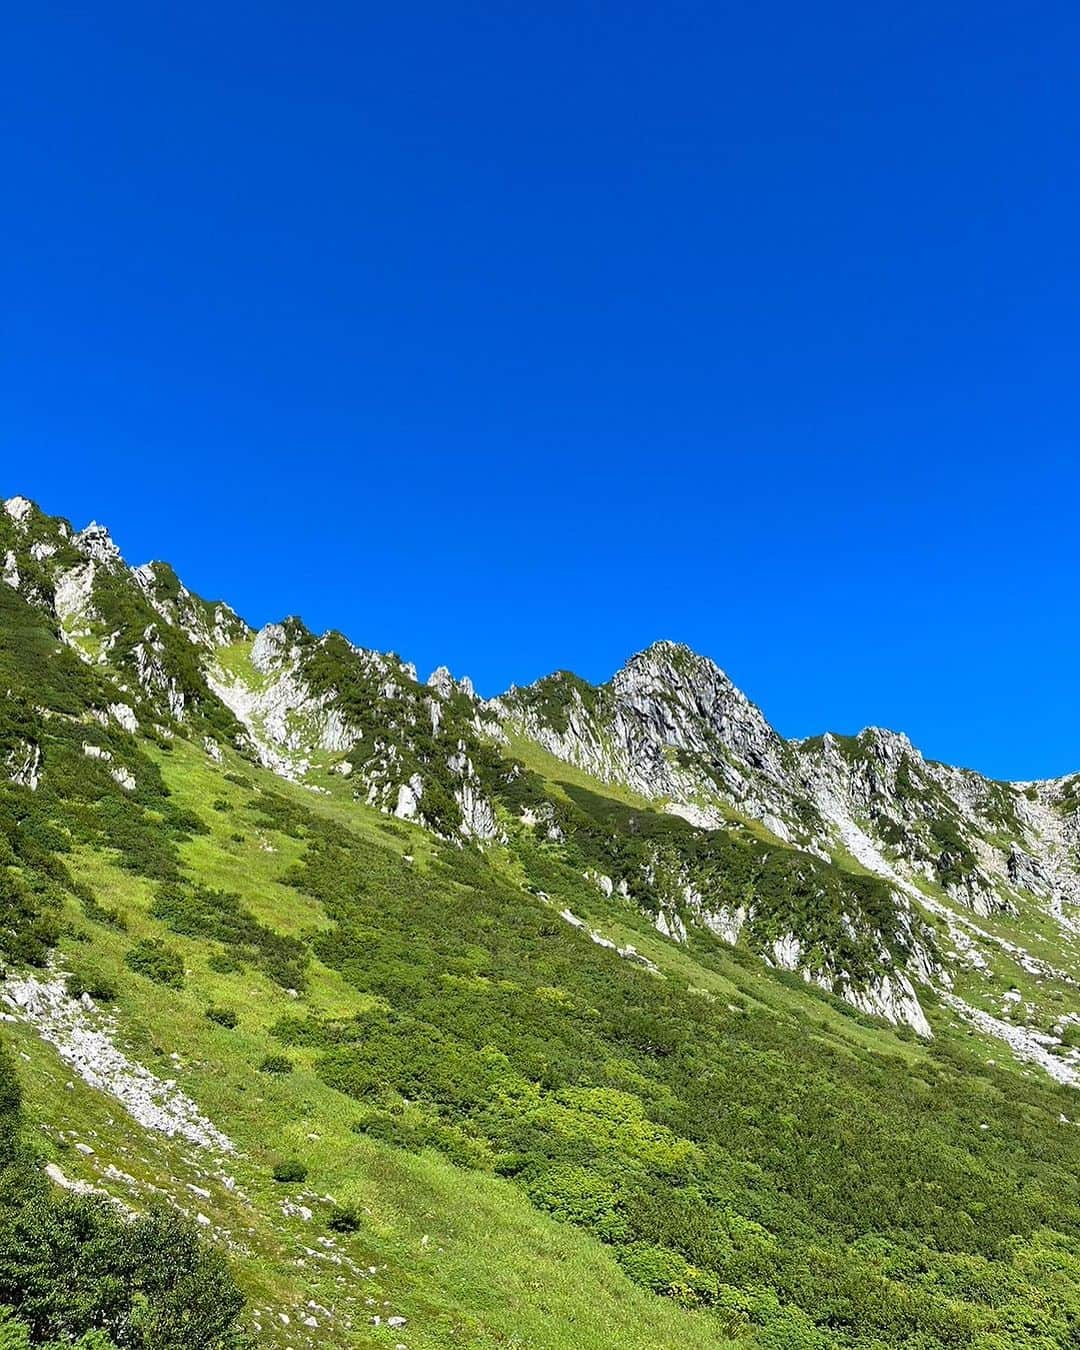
<point x="424" y="1028"/>
<point x="506" y="1132"/>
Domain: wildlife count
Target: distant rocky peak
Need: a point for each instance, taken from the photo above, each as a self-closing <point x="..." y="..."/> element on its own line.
<point x="891" y="744"/>
<point x="444" y="684"/>
<point x="674" y="671"/>
<point x="96" y="543"/>
<point x="20" y="509"/>
<point x="689" y="703"/>
<point x="876" y="745"/>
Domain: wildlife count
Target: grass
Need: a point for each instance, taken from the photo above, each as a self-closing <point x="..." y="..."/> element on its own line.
<point x="235" y="660"/>
<point x="462" y="1255"/>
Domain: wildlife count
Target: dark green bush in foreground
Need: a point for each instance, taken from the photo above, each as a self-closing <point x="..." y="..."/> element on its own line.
<point x="72" y="1267"/>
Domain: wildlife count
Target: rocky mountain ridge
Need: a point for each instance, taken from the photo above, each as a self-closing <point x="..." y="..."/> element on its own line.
<point x="673" y="726"/>
<point x="949" y="846"/>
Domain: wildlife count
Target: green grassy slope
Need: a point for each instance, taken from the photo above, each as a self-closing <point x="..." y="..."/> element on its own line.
<point x="461" y="1254"/>
<point x="516" y="1120"/>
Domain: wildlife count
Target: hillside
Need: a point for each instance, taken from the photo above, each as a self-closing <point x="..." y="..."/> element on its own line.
<point x="586" y="1016"/>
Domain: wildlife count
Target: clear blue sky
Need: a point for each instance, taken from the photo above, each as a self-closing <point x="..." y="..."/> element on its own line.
<point x="517" y="336"/>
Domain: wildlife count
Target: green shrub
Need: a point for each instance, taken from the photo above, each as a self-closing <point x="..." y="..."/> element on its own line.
<point x="290" y="1170"/>
<point x="197" y="911"/>
<point x="224" y="1017"/>
<point x="225" y="963"/>
<point x="344" y="1219"/>
<point x="276" y="1064"/>
<point x="157" y="961"/>
<point x="87" y="980"/>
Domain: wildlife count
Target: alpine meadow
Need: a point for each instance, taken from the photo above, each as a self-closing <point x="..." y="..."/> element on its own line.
<point x="347" y="1008"/>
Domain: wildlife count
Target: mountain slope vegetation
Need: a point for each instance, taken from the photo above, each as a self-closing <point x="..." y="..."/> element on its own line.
<point x="579" y="1017"/>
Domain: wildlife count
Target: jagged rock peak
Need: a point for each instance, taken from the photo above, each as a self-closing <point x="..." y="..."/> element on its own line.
<point x="445" y="685"/>
<point x="679" y="669"/>
<point x="682" y="693"/>
<point x="96" y="543"/>
<point x="677" y="655"/>
<point x="20" y="509"/>
<point x="876" y="742"/>
<point x="273" y="644"/>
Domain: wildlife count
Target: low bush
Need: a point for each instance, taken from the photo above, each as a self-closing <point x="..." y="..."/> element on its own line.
<point x="157" y="961"/>
<point x="344" y="1219"/>
<point x="87" y="980"/>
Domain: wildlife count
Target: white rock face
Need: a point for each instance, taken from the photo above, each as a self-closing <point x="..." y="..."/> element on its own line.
<point x="892" y="997"/>
<point x="477" y="814"/>
<point x="787" y="952"/>
<point x="671" y="926"/>
<point x="24" y="764"/>
<point x="704" y="817"/>
<point x="441" y="681"/>
<point x="74" y="599"/>
<point x="124" y="716"/>
<point x="96" y="543"/>
<point x="19" y="509"/>
<point x="726" y="923"/>
<point x="152" y="670"/>
<point x="270" y="649"/>
<point x="408" y="798"/>
<point x="286" y="720"/>
<point x="84" y="1039"/>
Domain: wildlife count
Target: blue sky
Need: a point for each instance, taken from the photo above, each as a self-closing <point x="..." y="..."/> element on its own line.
<point x="515" y="337"/>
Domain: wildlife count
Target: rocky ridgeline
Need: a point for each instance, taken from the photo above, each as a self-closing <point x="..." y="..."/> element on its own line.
<point x="283" y="695"/>
<point x="669" y="725"/>
<point x="673" y="727"/>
